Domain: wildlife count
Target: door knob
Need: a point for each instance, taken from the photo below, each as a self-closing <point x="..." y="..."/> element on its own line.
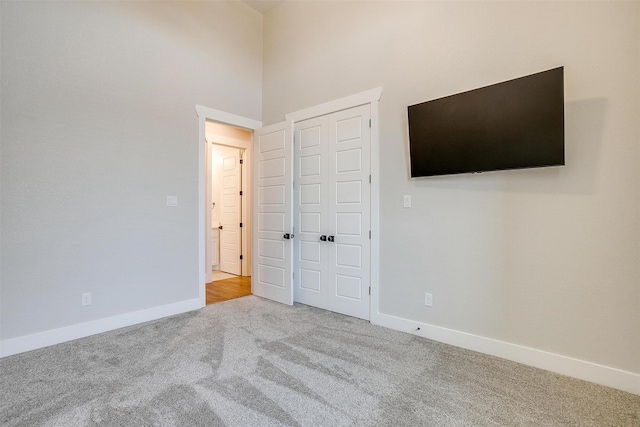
<point x="323" y="238"/>
<point x="330" y="238"/>
<point x="288" y="236"/>
<point x="220" y="227"/>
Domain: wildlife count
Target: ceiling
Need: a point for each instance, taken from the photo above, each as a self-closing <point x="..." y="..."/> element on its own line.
<point x="262" y="6"/>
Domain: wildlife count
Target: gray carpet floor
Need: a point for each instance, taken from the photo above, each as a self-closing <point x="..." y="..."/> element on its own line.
<point x="252" y="362"/>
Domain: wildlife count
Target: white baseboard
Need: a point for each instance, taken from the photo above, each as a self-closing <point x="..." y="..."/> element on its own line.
<point x="56" y="336"/>
<point x="599" y="374"/>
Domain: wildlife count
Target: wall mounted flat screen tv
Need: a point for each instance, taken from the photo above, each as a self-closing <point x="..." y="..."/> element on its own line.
<point x="510" y="125"/>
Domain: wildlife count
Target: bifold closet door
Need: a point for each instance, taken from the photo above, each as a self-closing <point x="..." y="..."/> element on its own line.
<point x="332" y="211"/>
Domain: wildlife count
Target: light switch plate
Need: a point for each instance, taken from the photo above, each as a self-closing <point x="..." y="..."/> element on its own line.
<point x="407" y="201"/>
<point x="172" y="200"/>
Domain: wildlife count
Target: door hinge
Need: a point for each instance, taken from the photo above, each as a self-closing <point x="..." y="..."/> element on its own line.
<point x="369" y="122"/>
<point x="240" y="225"/>
<point x="369" y="179"/>
<point x="241" y="192"/>
<point x="369" y="290"/>
<point x="240" y="256"/>
<point x="369" y="234"/>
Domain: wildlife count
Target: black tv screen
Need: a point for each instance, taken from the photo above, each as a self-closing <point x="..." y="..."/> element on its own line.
<point x="510" y="125"/>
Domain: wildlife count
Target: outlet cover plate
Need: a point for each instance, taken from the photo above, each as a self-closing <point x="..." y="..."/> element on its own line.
<point x="428" y="299"/>
<point x="86" y="299"/>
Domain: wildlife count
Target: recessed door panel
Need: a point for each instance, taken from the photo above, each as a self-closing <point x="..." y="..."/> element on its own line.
<point x="310" y="251"/>
<point x="271" y="276"/>
<point x="349" y="287"/>
<point x="271" y="141"/>
<point x="348" y="129"/>
<point x="310" y="194"/>
<point x="310" y="279"/>
<point x="348" y="256"/>
<point x="349" y="192"/>
<point x="273" y="168"/>
<point x="271" y="195"/>
<point x="309" y="223"/>
<point x="271" y="221"/>
<point x="349" y="224"/>
<point x="349" y="161"/>
<point x="269" y="248"/>
<point x="310" y="165"/>
<point x="310" y="136"/>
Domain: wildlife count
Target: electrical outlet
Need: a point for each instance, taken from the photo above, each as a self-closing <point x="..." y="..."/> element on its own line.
<point x="172" y="200"/>
<point x="86" y="299"/>
<point x="407" y="201"/>
<point x="428" y="299"/>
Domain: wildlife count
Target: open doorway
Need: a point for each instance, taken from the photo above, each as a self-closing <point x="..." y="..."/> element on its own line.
<point x="229" y="216"/>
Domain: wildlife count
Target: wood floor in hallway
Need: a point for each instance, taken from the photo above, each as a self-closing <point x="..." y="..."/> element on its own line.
<point x="224" y="290"/>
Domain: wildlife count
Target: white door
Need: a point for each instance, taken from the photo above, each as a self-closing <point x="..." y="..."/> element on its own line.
<point x="333" y="211"/>
<point x="311" y="212"/>
<point x="230" y="211"/>
<point x="272" y="273"/>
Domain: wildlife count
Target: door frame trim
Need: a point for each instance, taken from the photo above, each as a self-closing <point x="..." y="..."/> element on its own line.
<point x="209" y="114"/>
<point x="371" y="97"/>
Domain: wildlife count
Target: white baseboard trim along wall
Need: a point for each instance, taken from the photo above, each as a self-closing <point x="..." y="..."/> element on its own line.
<point x="599" y="374"/>
<point x="56" y="336"/>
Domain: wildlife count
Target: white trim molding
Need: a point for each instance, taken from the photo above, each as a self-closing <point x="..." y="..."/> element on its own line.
<point x="368" y="97"/>
<point x="227" y="118"/>
<point x="81" y="330"/>
<point x="588" y="371"/>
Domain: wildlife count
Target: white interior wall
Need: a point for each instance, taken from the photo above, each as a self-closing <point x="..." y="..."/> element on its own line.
<point x="544" y="258"/>
<point x="98" y="128"/>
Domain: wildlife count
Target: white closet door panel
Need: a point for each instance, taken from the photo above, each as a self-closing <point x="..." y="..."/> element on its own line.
<point x="272" y="277"/>
<point x="349" y="145"/>
<point x="310" y="211"/>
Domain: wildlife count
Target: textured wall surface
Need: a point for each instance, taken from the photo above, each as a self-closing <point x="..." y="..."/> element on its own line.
<point x="98" y="127"/>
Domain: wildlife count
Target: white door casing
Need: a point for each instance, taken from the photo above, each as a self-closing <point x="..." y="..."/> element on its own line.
<point x="206" y="114"/>
<point x="272" y="275"/>
<point x="230" y="211"/>
<point x="332" y="211"/>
